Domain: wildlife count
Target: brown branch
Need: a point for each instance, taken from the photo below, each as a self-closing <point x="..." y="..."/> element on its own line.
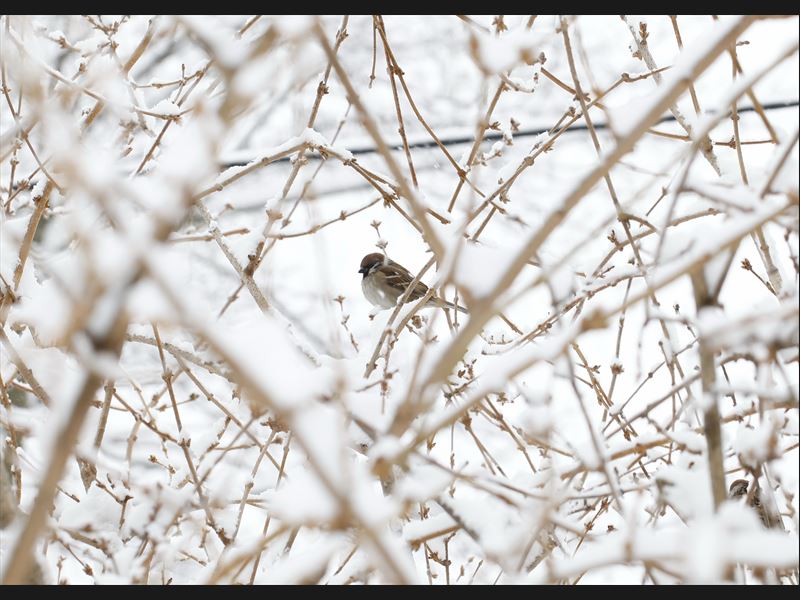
<point x="429" y="235"/>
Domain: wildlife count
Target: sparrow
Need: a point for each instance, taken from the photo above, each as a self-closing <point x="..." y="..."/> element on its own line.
<point x="384" y="281"/>
<point x="738" y="489"/>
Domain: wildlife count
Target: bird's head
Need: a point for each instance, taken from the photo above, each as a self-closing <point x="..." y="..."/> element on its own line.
<point x="738" y="488"/>
<point x="370" y="262"/>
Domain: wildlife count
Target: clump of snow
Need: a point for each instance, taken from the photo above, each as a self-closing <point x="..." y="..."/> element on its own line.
<point x="167" y="108"/>
<point x="686" y="490"/>
<point x="497" y="54"/>
<point x="302" y="500"/>
<point x="756" y="445"/>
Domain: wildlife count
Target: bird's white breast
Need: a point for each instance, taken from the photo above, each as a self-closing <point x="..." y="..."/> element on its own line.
<point x="374" y="293"/>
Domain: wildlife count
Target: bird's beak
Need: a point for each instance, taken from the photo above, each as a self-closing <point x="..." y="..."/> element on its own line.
<point x="362" y="270"/>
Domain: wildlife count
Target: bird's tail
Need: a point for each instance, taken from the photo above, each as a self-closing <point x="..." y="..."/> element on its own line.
<point x="445" y="304"/>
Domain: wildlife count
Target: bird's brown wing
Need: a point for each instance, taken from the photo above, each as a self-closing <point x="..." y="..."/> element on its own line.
<point x="398" y="277"/>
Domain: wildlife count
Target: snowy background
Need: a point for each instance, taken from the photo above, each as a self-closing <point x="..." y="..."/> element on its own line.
<point x="195" y="390"/>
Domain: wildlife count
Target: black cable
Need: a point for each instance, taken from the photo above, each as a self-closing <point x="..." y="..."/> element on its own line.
<point x="496" y="135"/>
